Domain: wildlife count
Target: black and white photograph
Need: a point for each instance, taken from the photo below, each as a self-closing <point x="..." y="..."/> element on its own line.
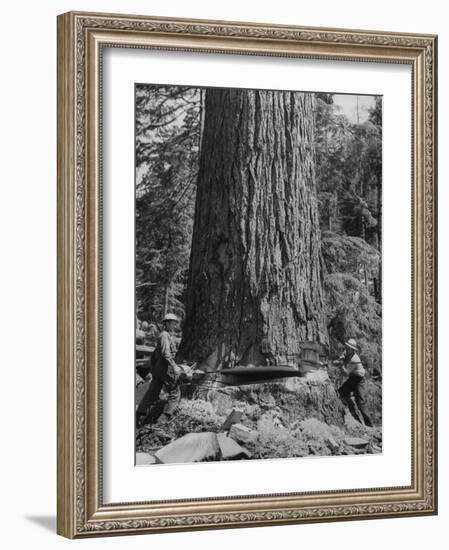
<point x="221" y="253"/>
<point x="258" y="274"/>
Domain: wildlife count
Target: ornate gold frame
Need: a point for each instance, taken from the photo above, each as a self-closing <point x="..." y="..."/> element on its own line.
<point x="81" y="37"/>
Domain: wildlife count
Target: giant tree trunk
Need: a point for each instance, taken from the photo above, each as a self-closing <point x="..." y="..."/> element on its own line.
<point x="254" y="289"/>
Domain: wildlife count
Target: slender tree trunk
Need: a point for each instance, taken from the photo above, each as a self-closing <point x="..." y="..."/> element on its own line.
<point x="201" y="117"/>
<point x="333" y="207"/>
<point x="166" y="298"/>
<point x="379" y="234"/>
<point x="255" y="277"/>
<point x="168" y="279"/>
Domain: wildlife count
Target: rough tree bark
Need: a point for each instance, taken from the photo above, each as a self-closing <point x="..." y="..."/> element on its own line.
<point x="255" y="276"/>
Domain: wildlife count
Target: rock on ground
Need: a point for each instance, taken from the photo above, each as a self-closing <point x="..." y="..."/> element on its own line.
<point x="230" y="449"/>
<point x="194" y="447"/>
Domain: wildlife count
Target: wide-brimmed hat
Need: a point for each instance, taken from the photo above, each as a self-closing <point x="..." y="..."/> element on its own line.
<point x="351" y="343"/>
<point x="170" y="317"/>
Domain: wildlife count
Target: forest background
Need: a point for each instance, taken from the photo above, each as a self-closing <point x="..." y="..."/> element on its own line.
<point x="348" y="177"/>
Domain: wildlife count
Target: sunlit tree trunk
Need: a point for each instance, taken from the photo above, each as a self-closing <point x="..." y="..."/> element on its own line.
<point x="255" y="278"/>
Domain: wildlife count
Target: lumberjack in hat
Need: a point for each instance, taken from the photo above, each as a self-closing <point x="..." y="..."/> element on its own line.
<point x="355" y="383"/>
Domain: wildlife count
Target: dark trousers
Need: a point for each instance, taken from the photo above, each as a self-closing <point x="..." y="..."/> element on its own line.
<point x="165" y="378"/>
<point x="355" y="385"/>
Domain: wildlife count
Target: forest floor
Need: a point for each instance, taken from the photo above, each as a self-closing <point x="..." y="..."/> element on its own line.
<point x="274" y="421"/>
